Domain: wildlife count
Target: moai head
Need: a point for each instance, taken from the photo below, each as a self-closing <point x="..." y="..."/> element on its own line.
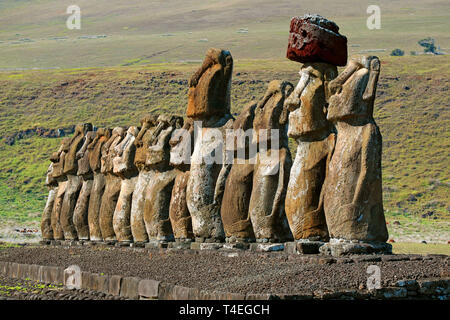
<point x="159" y="147"/>
<point x="307" y="103"/>
<point x="83" y="154"/>
<point x="50" y="181"/>
<point x="354" y="90"/>
<point x="58" y="158"/>
<point x="210" y="85"/>
<point x="125" y="151"/>
<point x="270" y="113"/>
<point x="95" y="148"/>
<point x="148" y="125"/>
<point x="108" y="149"/>
<point x="182" y="144"/>
<point x="70" y="162"/>
<point x="243" y="123"/>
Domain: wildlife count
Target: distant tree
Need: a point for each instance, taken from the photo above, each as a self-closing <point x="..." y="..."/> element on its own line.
<point x="397" y="52"/>
<point x="428" y="44"/>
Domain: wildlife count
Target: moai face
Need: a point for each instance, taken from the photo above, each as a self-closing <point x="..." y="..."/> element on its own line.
<point x="307" y="103"/>
<point x="148" y="125"/>
<point x="83" y="154"/>
<point x="58" y="158"/>
<point x="108" y="149"/>
<point x="270" y="112"/>
<point x="354" y="90"/>
<point x="71" y="163"/>
<point x="125" y="150"/>
<point x="181" y="144"/>
<point x="210" y="85"/>
<point x="95" y="148"/>
<point x="159" y="148"/>
<point x="49" y="179"/>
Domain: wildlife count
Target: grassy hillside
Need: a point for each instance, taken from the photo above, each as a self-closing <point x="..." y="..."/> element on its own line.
<point x="412" y="110"/>
<point x="33" y="33"/>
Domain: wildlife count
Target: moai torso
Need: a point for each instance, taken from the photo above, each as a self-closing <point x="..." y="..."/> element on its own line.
<point x="159" y="189"/>
<point x="142" y="143"/>
<point x="112" y="184"/>
<point x="272" y="167"/>
<point x="180" y="157"/>
<point x="315" y="138"/>
<point x="52" y="185"/>
<point x="209" y="105"/>
<point x="125" y="168"/>
<point x="238" y="188"/>
<point x="353" y="200"/>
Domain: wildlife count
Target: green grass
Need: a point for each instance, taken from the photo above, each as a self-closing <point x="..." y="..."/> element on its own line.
<point x="420" y="248"/>
<point x="413" y="123"/>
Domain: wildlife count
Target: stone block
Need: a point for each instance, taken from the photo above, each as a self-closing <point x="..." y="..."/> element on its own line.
<point x="129" y="287"/>
<point x="114" y="285"/>
<point x="148" y="288"/>
<point x="266" y="247"/>
<point x="309" y="247"/>
<point x="165" y="291"/>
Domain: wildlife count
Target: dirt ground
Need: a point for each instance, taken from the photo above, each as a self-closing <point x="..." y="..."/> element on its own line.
<point x="238" y="272"/>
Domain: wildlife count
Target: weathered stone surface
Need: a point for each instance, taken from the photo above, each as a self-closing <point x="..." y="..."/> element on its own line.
<point x="309" y="126"/>
<point x="180" y="154"/>
<point x="98" y="184"/>
<point x="273" y="163"/>
<point x="313" y="38"/>
<point x="112" y="184"/>
<point x="129" y="287"/>
<point x="159" y="189"/>
<point x="125" y="168"/>
<point x="46" y="219"/>
<point x="238" y="187"/>
<point x="209" y="105"/>
<point x="73" y="188"/>
<point x="71" y="161"/>
<point x="57" y="158"/>
<point x="149" y="288"/>
<point x="339" y="248"/>
<point x="114" y="285"/>
<point x="353" y="201"/>
<point x="266" y="247"/>
<point x="209" y="86"/>
<point x="80" y="213"/>
<point x="142" y="143"/>
<point x="58" y="233"/>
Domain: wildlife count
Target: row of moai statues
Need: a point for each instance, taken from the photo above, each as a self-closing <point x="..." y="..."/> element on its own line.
<point x="152" y="183"/>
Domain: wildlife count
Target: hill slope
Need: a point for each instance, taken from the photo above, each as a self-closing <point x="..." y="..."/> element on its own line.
<point x="412" y="109"/>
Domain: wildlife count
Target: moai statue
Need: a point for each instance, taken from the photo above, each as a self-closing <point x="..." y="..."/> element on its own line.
<point x="98" y="184"/>
<point x="272" y="167"/>
<point x="238" y="188"/>
<point x="80" y="213"/>
<point x="180" y="158"/>
<point x="125" y="168"/>
<point x="209" y="108"/>
<point x="112" y="185"/>
<point x="315" y="42"/>
<point x="159" y="189"/>
<point x="74" y="182"/>
<point x="142" y="143"/>
<point x="58" y="174"/>
<point x="353" y="199"/>
<point x="46" y="221"/>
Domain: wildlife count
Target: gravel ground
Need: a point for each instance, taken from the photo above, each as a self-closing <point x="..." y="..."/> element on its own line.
<point x="17" y="289"/>
<point x="240" y="272"/>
